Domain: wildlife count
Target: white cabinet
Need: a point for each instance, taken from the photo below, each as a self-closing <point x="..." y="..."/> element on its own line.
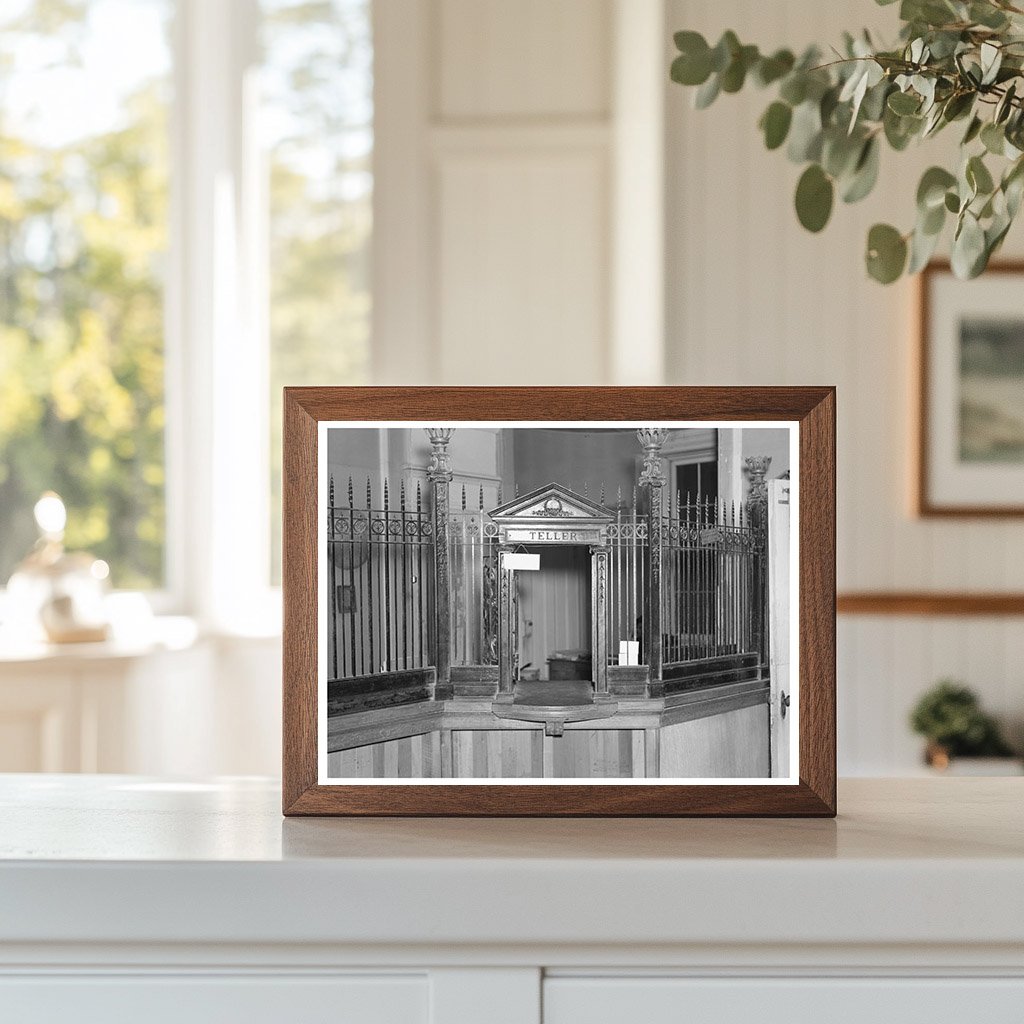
<point x="205" y="999"/>
<point x="824" y="1000"/>
<point x="132" y="898"/>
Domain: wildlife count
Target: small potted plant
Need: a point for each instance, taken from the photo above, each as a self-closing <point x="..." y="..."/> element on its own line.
<point x="950" y="717"/>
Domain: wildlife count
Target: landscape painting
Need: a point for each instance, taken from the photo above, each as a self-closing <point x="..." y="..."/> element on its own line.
<point x="991" y="389"/>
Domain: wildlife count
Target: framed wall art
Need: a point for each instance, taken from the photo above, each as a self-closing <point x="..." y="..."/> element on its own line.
<point x="559" y="601"/>
<point x="970" y="450"/>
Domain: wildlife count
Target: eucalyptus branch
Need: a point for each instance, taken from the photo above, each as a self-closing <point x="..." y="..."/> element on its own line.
<point x="954" y="60"/>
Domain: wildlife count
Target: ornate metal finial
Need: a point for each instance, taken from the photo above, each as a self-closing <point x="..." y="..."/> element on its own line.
<point x="440" y="468"/>
<point x="651" y="440"/>
<point x="757" y="468"/>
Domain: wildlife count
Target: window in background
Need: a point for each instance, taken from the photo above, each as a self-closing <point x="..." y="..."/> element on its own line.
<point x="697" y="480"/>
<point x="83" y="235"/>
<point x="317" y="121"/>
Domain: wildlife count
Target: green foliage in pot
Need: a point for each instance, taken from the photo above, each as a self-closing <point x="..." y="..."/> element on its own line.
<point x="957" y="62"/>
<point x="950" y="717"/>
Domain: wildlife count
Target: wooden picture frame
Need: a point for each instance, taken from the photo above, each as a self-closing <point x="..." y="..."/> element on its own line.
<point x="809" y="414"/>
<point x="947" y="485"/>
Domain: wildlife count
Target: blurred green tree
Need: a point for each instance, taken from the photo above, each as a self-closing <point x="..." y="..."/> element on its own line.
<point x="318" y="111"/>
<point x="82" y="234"/>
<point x="83" y="238"/>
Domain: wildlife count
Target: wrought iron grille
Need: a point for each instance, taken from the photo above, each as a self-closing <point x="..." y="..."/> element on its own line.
<point x="627" y="574"/>
<point x="712" y="590"/>
<point x="380" y="581"/>
<point x="473" y="545"/>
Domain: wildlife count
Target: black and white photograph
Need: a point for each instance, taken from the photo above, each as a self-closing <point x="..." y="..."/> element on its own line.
<point x="538" y="602"/>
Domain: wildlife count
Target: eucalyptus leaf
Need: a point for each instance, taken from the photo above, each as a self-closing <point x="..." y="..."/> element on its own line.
<point x="922" y="247"/>
<point x="735" y="74"/>
<point x="775" y="124"/>
<point x="794" y="88"/>
<point x="968" y="247"/>
<point x="873" y="106"/>
<point x="931" y="221"/>
<point x="958" y="105"/>
<point x="805" y="133"/>
<point x="692" y="68"/>
<point x="724" y="51"/>
<point x="1005" y="104"/>
<point x="993" y="138"/>
<point x="840" y="152"/>
<point x="991" y="60"/>
<point x="987" y="15"/>
<point x="1013" y="186"/>
<point x="865" y="174"/>
<point x="932" y="122"/>
<point x="978" y="176"/>
<point x="931" y="190"/>
<point x="886" y="253"/>
<point x="707" y="93"/>
<point x="771" y="69"/>
<point x="814" y="195"/>
<point x="900" y="130"/>
<point x="973" y="130"/>
<point x="904" y="103"/>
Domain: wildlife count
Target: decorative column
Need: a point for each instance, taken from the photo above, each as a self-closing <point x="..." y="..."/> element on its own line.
<point x="757" y="496"/>
<point x="506" y="655"/>
<point x="652" y="479"/>
<point x="599" y="617"/>
<point x="440" y="474"/>
<point x="757" y="505"/>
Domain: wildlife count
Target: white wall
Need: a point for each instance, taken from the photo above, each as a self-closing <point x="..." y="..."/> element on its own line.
<point x="506" y="147"/>
<point x="754" y="299"/>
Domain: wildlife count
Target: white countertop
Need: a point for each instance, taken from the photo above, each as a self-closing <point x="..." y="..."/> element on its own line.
<point x="120" y="859"/>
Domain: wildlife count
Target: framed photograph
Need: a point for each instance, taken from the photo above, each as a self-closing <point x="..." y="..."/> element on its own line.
<point x="559" y="601"/>
<point x="970" y="449"/>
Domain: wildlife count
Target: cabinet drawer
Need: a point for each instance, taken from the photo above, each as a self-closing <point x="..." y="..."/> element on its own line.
<point x="675" y="1000"/>
<point x="202" y="999"/>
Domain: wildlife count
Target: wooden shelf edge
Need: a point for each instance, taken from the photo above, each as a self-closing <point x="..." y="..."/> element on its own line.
<point x="929" y="603"/>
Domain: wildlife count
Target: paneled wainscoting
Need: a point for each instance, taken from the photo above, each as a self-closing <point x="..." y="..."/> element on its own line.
<point x="733" y="744"/>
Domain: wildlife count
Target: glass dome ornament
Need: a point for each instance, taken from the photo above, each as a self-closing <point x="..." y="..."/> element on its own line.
<point x="56" y="595"/>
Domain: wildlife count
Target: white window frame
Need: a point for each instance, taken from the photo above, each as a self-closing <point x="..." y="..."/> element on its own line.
<point x="217" y="351"/>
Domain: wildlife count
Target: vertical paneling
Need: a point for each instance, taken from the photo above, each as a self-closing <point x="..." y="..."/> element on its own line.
<point x="754" y="299"/>
<point x="522" y="277"/>
<point x="522" y="204"/>
<point x="495" y="753"/>
<point x="594" y="754"/>
<point x="410" y="757"/>
<point x="733" y="745"/>
<point x="531" y="58"/>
